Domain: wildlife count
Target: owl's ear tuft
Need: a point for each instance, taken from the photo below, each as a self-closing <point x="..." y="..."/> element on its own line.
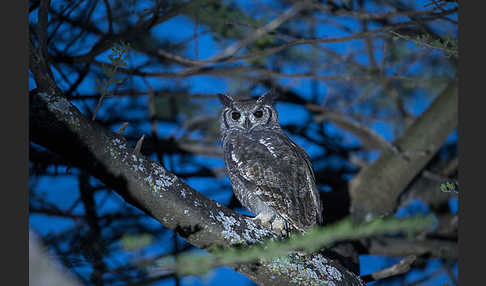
<point x="268" y="98"/>
<point x="225" y="99"/>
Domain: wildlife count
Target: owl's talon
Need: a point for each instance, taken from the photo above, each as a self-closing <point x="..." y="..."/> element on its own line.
<point x="273" y="222"/>
<point x="279" y="226"/>
<point x="263" y="219"/>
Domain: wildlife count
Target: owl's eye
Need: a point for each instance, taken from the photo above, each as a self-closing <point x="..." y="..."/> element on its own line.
<point x="258" y="113"/>
<point x="235" y="115"/>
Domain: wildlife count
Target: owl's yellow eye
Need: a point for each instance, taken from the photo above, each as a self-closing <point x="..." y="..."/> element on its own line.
<point x="258" y="113"/>
<point x="235" y="115"/>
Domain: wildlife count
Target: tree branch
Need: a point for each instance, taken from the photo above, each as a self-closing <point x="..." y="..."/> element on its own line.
<point x="375" y="190"/>
<point x="369" y="138"/>
<point x="391" y="246"/>
<point x="42" y="26"/>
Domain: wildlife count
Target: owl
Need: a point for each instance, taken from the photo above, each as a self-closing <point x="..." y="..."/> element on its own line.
<point x="271" y="175"/>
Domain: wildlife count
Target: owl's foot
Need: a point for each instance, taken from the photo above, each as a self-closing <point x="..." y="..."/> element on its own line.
<point x="263" y="219"/>
<point x="279" y="225"/>
<point x="273" y="222"/>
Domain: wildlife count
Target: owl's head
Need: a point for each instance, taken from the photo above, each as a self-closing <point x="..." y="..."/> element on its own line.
<point x="248" y="114"/>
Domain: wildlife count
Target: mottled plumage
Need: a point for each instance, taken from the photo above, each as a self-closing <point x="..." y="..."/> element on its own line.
<point x="271" y="175"/>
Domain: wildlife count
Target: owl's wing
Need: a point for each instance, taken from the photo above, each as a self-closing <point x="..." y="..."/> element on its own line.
<point x="281" y="173"/>
<point x="317" y="205"/>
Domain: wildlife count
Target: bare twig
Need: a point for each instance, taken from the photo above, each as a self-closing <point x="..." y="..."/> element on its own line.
<point x="200" y="149"/>
<point x="122" y="128"/>
<point x="136" y="151"/>
<point x="369" y="138"/>
<point x="450" y="272"/>
<point x="196" y="32"/>
<point x="153" y="121"/>
<point x="42" y="26"/>
<point x="109" y="15"/>
<point x="401" y="267"/>
<point x="450" y="168"/>
<point x="421" y="281"/>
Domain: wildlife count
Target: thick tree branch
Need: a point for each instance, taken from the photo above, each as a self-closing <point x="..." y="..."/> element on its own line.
<point x="400" y="247"/>
<point x="60" y="127"/>
<point x="375" y="190"/>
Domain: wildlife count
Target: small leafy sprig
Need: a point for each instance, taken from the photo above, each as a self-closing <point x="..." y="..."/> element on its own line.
<point x="449" y="187"/>
<point x="313" y="240"/>
<point x="449" y="45"/>
<point x="117" y="59"/>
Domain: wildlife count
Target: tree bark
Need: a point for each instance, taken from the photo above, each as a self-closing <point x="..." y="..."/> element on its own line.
<point x="400" y="247"/>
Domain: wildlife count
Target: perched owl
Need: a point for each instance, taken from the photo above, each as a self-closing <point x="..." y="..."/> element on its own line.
<point x="271" y="176"/>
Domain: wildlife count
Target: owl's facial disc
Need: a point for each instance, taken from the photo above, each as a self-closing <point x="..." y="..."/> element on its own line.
<point x="249" y="115"/>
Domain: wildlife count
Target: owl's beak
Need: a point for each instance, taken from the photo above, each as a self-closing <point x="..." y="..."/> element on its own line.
<point x="247" y="124"/>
